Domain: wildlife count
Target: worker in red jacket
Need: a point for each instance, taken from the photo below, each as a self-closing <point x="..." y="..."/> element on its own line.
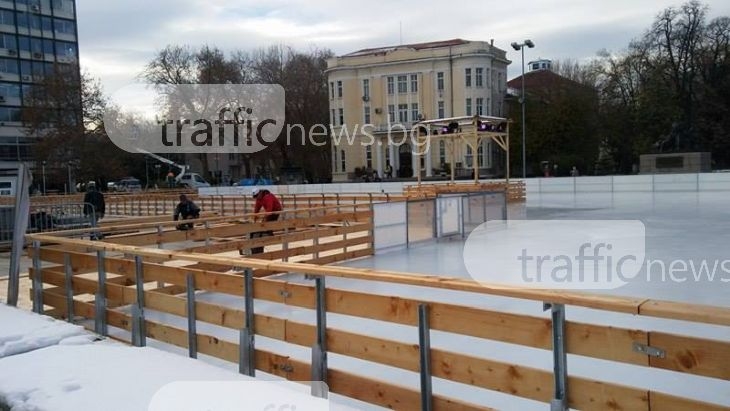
<point x="266" y="201"/>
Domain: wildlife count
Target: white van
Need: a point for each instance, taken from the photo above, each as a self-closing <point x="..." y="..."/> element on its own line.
<point x="193" y="180"/>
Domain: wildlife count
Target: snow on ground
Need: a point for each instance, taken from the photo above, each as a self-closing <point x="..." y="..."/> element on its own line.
<point x="112" y="376"/>
<point x="22" y="331"/>
<point x="52" y="365"/>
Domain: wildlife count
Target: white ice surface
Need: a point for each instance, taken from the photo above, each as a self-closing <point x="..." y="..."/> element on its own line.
<point x="22" y="331"/>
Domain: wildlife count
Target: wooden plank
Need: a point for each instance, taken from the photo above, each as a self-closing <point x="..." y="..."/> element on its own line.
<point x="389" y="395"/>
<point x="666" y="402"/>
<point x="534" y="383"/>
<point x="300" y="235"/>
<point x="322" y="247"/>
<point x="692" y="355"/>
<point x="687" y="312"/>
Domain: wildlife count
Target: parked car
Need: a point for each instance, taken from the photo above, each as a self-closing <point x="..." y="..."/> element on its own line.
<point x="193" y="180"/>
<point x="255" y="182"/>
<point x="129" y="184"/>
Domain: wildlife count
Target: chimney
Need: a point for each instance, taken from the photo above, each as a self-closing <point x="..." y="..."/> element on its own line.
<point x="491" y="42"/>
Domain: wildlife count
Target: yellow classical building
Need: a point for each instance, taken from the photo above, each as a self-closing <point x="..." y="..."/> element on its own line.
<point x="376" y="96"/>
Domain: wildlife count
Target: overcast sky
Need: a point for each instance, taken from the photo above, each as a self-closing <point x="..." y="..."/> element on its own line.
<point x="118" y="38"/>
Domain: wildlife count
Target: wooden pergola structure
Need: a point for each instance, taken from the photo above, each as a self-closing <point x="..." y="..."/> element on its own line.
<point x="472" y="130"/>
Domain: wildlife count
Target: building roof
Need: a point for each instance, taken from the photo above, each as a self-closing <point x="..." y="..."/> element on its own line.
<point x="542" y="80"/>
<point x="415" y="46"/>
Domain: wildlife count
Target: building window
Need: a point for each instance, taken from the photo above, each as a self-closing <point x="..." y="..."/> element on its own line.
<point x="391" y="113"/>
<point x="489" y="106"/>
<point x="469" y="158"/>
<point x="65" y="49"/>
<point x="467" y="77"/>
<point x="442" y="153"/>
<point x="46" y="24"/>
<point x="366" y="89"/>
<point x="480" y="77"/>
<point x="402" y="84"/>
<point x="403" y="113"/>
<point x="7" y="41"/>
<point x="391" y="85"/>
<point x="468" y="106"/>
<point x="480" y="155"/>
<point x="9" y="114"/>
<point x="440" y="81"/>
<point x="62" y="26"/>
<point x="339" y="88"/>
<point x="441" y="109"/>
<point x="332" y="90"/>
<point x="10" y="90"/>
<point x="499" y="82"/>
<point x="343" y="163"/>
<point x="333" y="118"/>
<point x="48" y="46"/>
<point x="341" y="113"/>
<point x="366" y="117"/>
<point x="414" y="111"/>
<point x="535" y="66"/>
<point x="369" y="156"/>
<point x="480" y="106"/>
<point x="8" y="66"/>
<point x="414" y="83"/>
<point x="7" y="17"/>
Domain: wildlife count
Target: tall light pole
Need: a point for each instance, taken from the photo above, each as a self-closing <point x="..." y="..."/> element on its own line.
<point x="518" y="47"/>
<point x="43" y="170"/>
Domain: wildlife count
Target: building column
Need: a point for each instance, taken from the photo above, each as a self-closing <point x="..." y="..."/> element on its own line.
<point x="429" y="161"/>
<point x="415" y="161"/>
<point x="334" y="159"/>
<point x="378" y="148"/>
<point x="391" y="154"/>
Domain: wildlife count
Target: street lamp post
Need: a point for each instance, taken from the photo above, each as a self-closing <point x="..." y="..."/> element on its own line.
<point x="518" y="47"/>
<point x="43" y="171"/>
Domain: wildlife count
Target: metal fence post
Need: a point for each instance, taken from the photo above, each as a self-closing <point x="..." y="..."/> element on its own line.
<point x="68" y="272"/>
<point x="192" y="329"/>
<point x="424" y="345"/>
<point x="560" y="358"/>
<point x="100" y="325"/>
<point x="319" y="351"/>
<point x="37" y="278"/>
<point x="285" y="245"/>
<point x="139" y="334"/>
<point x="246" y="346"/>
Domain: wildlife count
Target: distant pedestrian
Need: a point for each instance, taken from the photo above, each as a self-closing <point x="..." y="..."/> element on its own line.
<point x="187" y="210"/>
<point x="170" y="180"/>
<point x="574" y="172"/>
<point x="94" y="207"/>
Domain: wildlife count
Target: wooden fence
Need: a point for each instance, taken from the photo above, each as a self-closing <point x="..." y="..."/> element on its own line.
<point x="94" y="280"/>
<point x="515" y="189"/>
<point x="142" y="205"/>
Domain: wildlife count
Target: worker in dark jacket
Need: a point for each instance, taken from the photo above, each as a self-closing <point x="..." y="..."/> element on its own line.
<point x="187" y="210"/>
<point x="94" y="207"/>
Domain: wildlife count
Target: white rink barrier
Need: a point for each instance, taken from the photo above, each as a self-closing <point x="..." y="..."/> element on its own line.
<point x="342" y="188"/>
<point x="631" y="183"/>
